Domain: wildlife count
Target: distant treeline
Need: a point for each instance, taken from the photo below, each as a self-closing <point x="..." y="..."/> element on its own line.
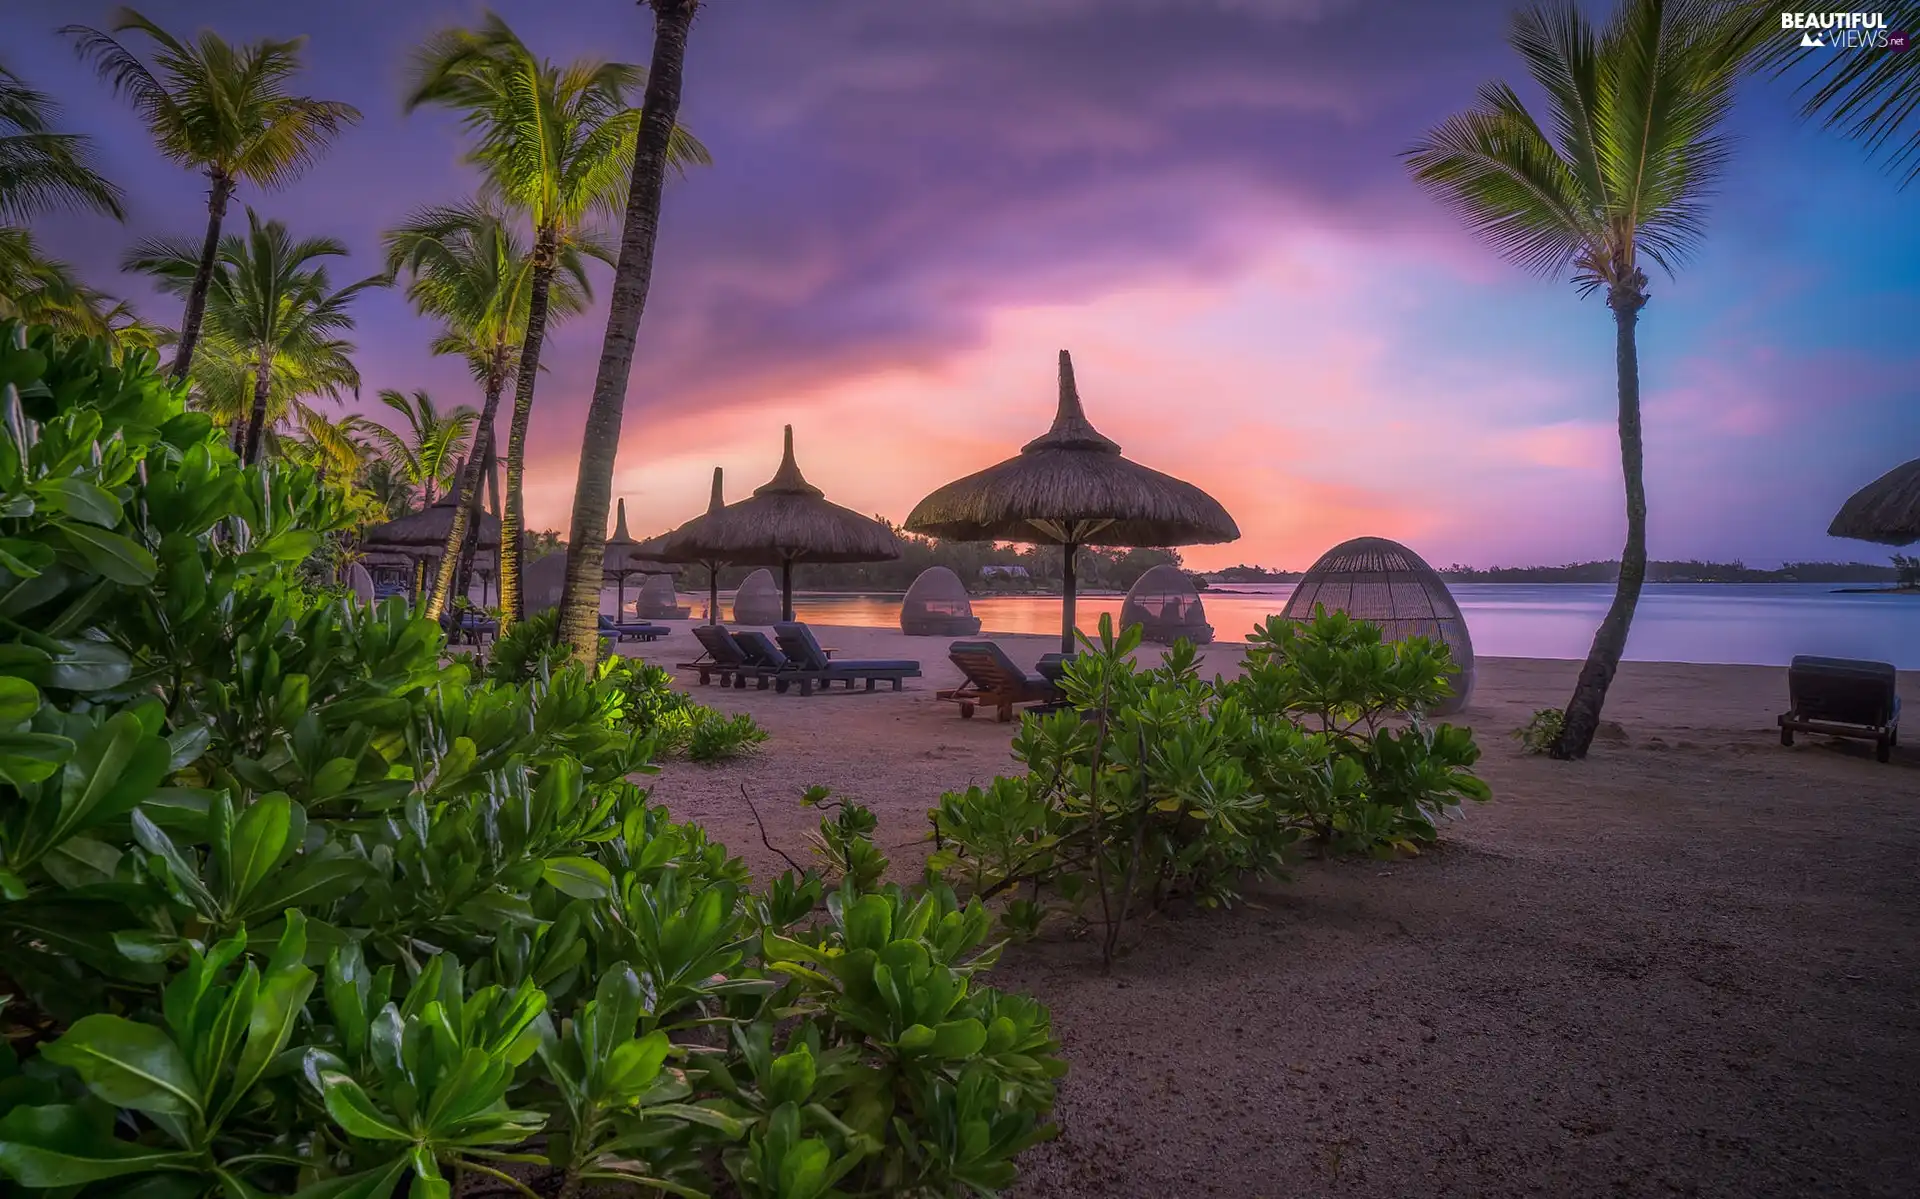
<point x="1094" y="569"/>
<point x="1680" y="572"/>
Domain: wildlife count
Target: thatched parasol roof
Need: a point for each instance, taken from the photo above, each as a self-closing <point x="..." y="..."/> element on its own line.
<point x="1072" y="487"/>
<point x="785" y="520"/>
<point x="427" y="530"/>
<point x="624" y="555"/>
<point x="656" y="548"/>
<point x="1886" y="510"/>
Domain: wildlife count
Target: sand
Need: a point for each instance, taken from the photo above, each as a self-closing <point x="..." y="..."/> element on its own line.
<point x="1685" y="966"/>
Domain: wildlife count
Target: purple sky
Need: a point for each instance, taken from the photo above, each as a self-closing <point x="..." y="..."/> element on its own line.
<point x="914" y="205"/>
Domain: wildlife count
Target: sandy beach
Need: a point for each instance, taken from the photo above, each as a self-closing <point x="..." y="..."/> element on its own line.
<point x="1684" y="966"/>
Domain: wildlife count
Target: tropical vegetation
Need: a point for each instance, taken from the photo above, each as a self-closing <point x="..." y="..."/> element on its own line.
<point x="1616" y="179"/>
<point x="220" y="110"/>
<point x="555" y="144"/>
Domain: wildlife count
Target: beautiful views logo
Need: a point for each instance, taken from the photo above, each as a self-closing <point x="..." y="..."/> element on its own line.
<point x="1844" y="31"/>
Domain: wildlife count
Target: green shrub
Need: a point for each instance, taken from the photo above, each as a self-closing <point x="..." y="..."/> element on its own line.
<point x="1160" y="784"/>
<point x="1541" y="731"/>
<point x="525" y="651"/>
<point x="291" y="905"/>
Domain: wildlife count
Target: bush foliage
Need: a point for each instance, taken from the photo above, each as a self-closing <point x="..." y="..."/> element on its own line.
<point x="292" y="903"/>
<point x="1159" y="784"/>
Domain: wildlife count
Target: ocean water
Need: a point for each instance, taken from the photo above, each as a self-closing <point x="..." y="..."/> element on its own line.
<point x="1759" y="623"/>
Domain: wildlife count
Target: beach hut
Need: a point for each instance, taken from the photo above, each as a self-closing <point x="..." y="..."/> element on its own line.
<point x="937" y="606"/>
<point x="659" y="601"/>
<point x="1166" y="606"/>
<point x="421" y="537"/>
<point x="1886" y="510"/>
<point x="784" y="521"/>
<point x="757" y="601"/>
<point x="1070" y="487"/>
<point x="1385" y="583"/>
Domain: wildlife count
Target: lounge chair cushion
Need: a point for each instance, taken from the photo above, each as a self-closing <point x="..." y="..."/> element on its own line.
<point x="798" y="642"/>
<point x="1844" y="690"/>
<point x="759" y="651"/>
<point x="959" y="651"/>
<point x="719" y="645"/>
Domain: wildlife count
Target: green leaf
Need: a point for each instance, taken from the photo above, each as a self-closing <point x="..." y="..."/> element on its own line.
<point x="59" y="1146"/>
<point x="578" y="878"/>
<point x="128" y="1065"/>
<point x="115" y="767"/>
<point x="109" y="554"/>
<point x="377" y="1183"/>
<point x="87" y="665"/>
<point x="350" y="1108"/>
<point x="81" y="500"/>
<point x="19" y="700"/>
<point x="259" y="843"/>
<point x="283" y="996"/>
<point x="30" y="757"/>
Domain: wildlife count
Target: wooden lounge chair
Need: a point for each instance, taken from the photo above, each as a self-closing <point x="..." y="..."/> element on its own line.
<point x="1843" y="697"/>
<point x="722" y="656"/>
<point x="811" y="665"/>
<point x="993" y="681"/>
<point x="638" y="630"/>
<point x="764" y="661"/>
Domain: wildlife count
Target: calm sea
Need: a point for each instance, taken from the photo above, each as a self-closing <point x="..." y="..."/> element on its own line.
<point x="1761" y="623"/>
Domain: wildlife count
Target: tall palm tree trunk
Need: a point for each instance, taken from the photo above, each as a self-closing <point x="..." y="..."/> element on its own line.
<point x="513" y="520"/>
<point x="466" y="511"/>
<point x="1582" y="718"/>
<point x="632" y="275"/>
<point x="463" y="580"/>
<point x="197" y="298"/>
<point x="257" y="419"/>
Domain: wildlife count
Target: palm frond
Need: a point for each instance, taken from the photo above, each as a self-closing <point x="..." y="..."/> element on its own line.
<point x="1871" y="96"/>
<point x="41" y="169"/>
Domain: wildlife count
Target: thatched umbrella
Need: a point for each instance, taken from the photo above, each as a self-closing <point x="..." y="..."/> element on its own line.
<point x="785" y="520"/>
<point x="625" y="557"/>
<point x="656" y="550"/>
<point x="1886" y="510"/>
<point x="428" y="528"/>
<point x="1070" y="487"/>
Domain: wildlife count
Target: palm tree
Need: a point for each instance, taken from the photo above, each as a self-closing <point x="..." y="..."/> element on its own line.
<point x="266" y="301"/>
<point x="1635" y="112"/>
<point x="44" y="291"/>
<point x="430" y="450"/>
<point x="41" y="170"/>
<point x="593" y="489"/>
<point x="471" y="271"/>
<point x="224" y="382"/>
<point x="557" y="144"/>
<point x="221" y="109"/>
<point x="1871" y="95"/>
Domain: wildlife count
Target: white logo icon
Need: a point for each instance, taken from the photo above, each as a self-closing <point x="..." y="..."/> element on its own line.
<point x="1813" y="41"/>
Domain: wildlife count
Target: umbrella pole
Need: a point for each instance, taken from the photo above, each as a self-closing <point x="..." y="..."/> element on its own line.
<point x="1066" y="599"/>
<point x="713" y="593"/>
<point x="786" y="590"/>
<point x="620" y="598"/>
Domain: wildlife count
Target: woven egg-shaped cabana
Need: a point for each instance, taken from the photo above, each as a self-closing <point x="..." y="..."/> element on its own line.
<point x="1385" y="583"/>
<point x="1166" y="606"/>
<point x="659" y="601"/>
<point x="937" y="606"/>
<point x="758" y="599"/>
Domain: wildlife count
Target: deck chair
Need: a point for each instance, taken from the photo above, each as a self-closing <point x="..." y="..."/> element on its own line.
<point x="993" y="681"/>
<point x="636" y="630"/>
<point x="1843" y="697"/>
<point x="811" y="665"/>
<point x="722" y="656"/>
<point x="764" y="661"/>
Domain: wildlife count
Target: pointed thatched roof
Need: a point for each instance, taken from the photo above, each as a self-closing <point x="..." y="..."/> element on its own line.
<point x="427" y="529"/>
<point x="1886" y="510"/>
<point x="625" y="556"/>
<point x="1071" y="485"/>
<point x="787" y="519"/>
